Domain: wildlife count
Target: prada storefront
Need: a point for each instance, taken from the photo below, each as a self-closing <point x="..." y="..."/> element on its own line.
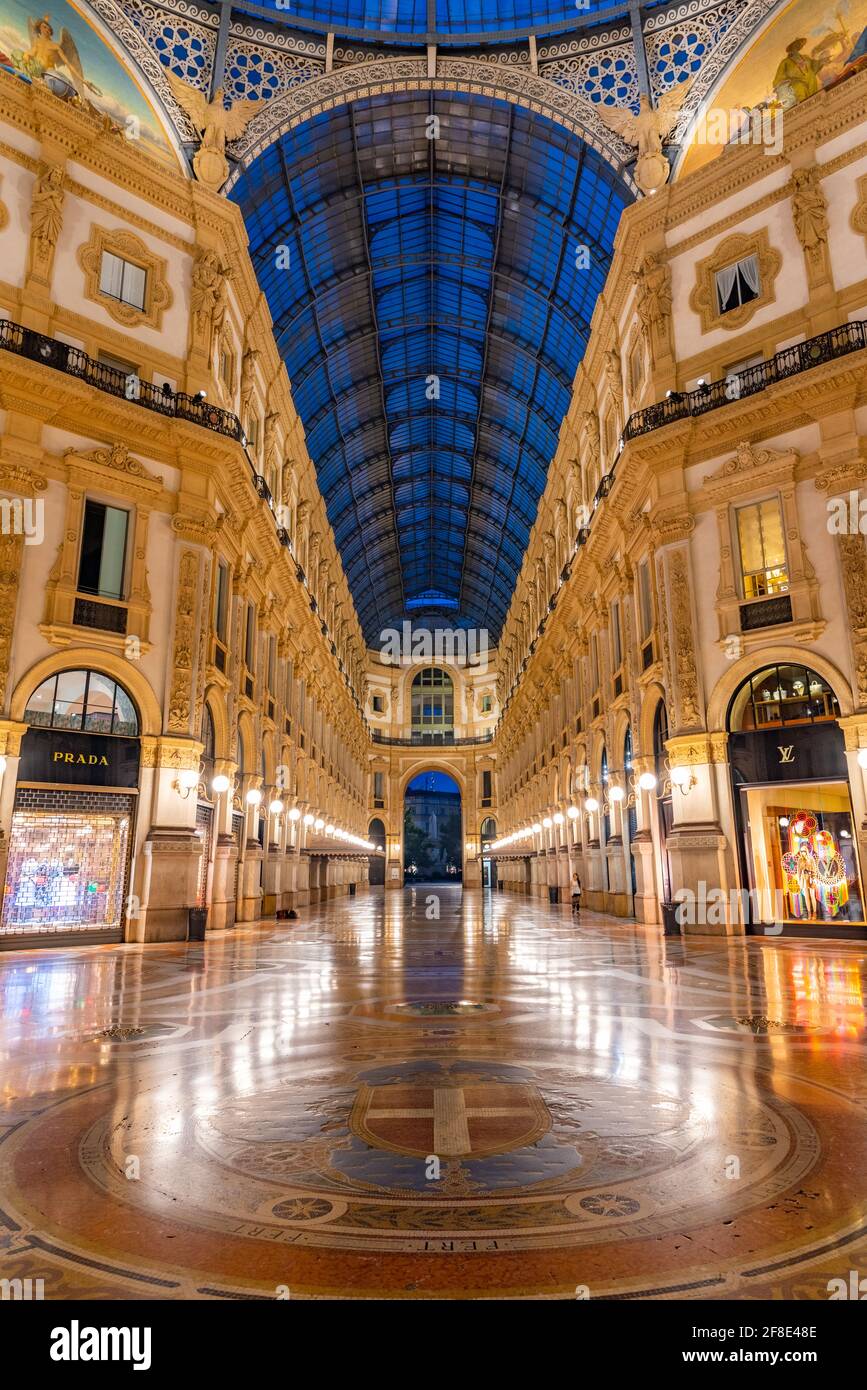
<point x="71" y="836"/>
<point x="796" y="835"/>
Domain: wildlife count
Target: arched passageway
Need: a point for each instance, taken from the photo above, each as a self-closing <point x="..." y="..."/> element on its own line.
<point x="432" y="829"/>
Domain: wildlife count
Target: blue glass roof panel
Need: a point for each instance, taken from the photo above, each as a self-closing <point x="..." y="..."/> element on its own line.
<point x="431" y="320"/>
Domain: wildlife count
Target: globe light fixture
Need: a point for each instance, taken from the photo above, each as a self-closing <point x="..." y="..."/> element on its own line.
<point x="591" y="804"/>
<point x="254" y="796"/>
<point x="647" y="781"/>
<point x="220" y="783"/>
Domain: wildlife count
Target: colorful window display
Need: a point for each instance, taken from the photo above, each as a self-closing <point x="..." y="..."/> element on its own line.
<point x="803" y="857"/>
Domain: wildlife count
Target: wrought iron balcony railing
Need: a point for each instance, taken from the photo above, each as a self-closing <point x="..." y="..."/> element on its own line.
<point x="837" y="342"/>
<point x="73" y="362"/>
<point x="430" y="740"/>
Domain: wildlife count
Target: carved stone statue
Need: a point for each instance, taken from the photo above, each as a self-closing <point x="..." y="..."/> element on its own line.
<point x="810" y="213"/>
<point x="645" y="130"/>
<point x="217" y="124"/>
<point x="653" y="297"/>
<point x="248" y="378"/>
<point x="46" y="216"/>
<point x="208" y="300"/>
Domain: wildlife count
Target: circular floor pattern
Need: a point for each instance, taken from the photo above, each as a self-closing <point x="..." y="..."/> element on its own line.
<point x="437" y="1154"/>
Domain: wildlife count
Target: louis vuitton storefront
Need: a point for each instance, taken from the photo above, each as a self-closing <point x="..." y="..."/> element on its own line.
<point x="72" y="825"/>
<point x="797" y="844"/>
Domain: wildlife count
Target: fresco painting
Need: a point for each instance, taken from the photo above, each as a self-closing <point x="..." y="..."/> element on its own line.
<point x="59" y="47"/>
<point x="806" y="48"/>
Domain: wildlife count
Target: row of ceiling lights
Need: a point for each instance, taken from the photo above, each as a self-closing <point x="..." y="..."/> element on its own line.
<point x="189" y="779"/>
<point x="647" y="782"/>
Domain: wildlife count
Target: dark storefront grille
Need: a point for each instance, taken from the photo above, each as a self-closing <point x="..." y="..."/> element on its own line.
<point x="69" y="861"/>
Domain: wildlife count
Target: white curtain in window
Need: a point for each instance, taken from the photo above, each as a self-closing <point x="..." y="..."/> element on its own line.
<point x="749" y="269"/>
<point x="725" y="280"/>
<point x="111" y="275"/>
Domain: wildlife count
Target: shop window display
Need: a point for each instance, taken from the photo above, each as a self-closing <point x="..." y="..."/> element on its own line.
<point x="802" y="853"/>
<point x="66" y="872"/>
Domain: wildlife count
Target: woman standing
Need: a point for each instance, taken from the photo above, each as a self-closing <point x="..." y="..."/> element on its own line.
<point x="576" y="893"/>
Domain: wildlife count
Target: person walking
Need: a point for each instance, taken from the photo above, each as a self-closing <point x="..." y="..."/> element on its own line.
<point x="576" y="893"/>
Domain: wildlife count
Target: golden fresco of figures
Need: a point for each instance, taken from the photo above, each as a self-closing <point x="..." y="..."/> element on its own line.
<point x="58" y="47"/>
<point x="807" y="47"/>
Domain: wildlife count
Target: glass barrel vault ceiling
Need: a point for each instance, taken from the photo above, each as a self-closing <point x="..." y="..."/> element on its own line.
<point x="449" y="19"/>
<point x="431" y="318"/>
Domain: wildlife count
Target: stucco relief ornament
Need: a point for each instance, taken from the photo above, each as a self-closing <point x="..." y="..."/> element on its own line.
<point x="217" y="124"/>
<point x="46" y="216"/>
<point x="209" y="293"/>
<point x="810" y="212"/>
<point x="653" y="296"/>
<point x="646" y="130"/>
<point x="591" y="438"/>
<point x="248" y="377"/>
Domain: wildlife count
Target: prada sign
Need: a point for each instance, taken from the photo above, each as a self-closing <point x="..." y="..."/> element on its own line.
<point x="89" y="760"/>
<point x="792" y="753"/>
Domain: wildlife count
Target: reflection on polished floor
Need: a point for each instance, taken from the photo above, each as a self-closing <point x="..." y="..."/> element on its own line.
<point x="374" y="1102"/>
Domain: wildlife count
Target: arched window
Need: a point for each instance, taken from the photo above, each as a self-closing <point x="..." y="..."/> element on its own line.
<point x="632" y="815"/>
<point x="433" y="705"/>
<point x="376" y="833"/>
<point x="660" y="738"/>
<point x="604" y="778"/>
<point x="208" y="737"/>
<point x="782" y="694"/>
<point x="489" y="829"/>
<point x="86" y="701"/>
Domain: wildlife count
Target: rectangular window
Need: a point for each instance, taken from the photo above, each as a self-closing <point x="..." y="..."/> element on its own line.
<point x="378" y="789"/>
<point x="594" y="663"/>
<point x="103" y="550"/>
<point x="378" y="705"/>
<point x="486" y="704"/>
<point x="616" y="654"/>
<point x="253" y="432"/>
<point x="120" y="279"/>
<point x="272" y="662"/>
<point x="762" y="549"/>
<point x="221" y="601"/>
<point x="250" y="638"/>
<point x="645" y="599"/>
<point x="486" y="788"/>
<point x="737" y="284"/>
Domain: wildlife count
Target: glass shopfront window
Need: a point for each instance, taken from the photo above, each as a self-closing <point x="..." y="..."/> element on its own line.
<point x="797" y="843"/>
<point x="804" y="864"/>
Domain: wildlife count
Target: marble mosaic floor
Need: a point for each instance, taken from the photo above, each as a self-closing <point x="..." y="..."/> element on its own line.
<point x="374" y="1102"/>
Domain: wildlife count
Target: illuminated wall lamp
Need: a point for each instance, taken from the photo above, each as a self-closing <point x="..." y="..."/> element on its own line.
<point x="683" y="778"/>
<point x="220" y="783"/>
<point x="294" y="814"/>
<point x="276" y="807"/>
<point x="185" y="781"/>
<point x="254" y="796"/>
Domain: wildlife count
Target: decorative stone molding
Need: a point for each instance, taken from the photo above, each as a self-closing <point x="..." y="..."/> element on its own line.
<point x="703" y="298"/>
<point x="118" y="457"/>
<point x="345" y="85"/>
<point x="858" y="218"/>
<point x="158" y="295"/>
<point x="11" y="554"/>
<point x="181" y="755"/>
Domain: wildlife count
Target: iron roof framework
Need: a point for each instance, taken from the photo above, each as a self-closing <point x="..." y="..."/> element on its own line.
<point x="432" y="315"/>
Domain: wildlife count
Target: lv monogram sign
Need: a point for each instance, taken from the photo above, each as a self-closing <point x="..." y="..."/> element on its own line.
<point x="787" y="753"/>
